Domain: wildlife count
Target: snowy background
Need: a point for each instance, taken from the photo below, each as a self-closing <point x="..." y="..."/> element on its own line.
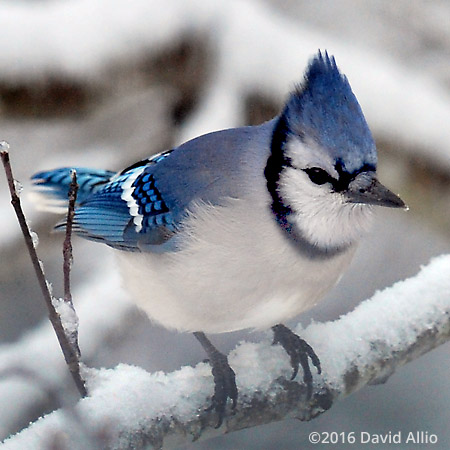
<point x="104" y="83"/>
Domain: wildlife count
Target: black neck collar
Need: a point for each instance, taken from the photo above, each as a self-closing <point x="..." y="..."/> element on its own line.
<point x="282" y="212"/>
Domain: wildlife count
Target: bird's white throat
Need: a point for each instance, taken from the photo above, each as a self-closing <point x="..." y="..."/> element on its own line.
<point x="323" y="218"/>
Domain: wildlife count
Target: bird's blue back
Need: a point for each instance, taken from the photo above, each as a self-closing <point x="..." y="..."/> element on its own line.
<point x="206" y="169"/>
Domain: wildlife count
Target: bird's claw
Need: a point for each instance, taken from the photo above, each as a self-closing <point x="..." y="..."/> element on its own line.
<point x="224" y="378"/>
<point x="299" y="351"/>
<point x="224" y="385"/>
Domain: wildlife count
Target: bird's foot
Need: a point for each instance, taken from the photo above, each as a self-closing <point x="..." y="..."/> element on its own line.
<point x="224" y="379"/>
<point x="299" y="351"/>
<point x="224" y="385"/>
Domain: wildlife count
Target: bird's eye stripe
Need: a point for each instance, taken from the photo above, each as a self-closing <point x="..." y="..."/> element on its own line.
<point x="319" y="176"/>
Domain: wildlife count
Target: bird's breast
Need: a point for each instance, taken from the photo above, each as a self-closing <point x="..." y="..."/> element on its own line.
<point x="235" y="269"/>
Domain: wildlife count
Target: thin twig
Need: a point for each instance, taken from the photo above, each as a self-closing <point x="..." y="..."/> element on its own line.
<point x="68" y="257"/>
<point x="67" y="246"/>
<point x="68" y="260"/>
<point x="70" y="353"/>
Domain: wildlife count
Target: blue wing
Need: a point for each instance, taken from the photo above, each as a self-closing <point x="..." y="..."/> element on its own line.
<point x="142" y="207"/>
<point x="124" y="210"/>
<point x="105" y="217"/>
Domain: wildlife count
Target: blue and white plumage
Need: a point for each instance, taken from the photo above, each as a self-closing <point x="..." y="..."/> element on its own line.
<point x="241" y="228"/>
<point x="246" y="227"/>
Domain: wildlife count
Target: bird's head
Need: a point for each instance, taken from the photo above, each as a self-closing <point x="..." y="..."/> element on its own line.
<point x="327" y="159"/>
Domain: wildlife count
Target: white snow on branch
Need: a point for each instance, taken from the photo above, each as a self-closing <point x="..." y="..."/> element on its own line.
<point x="392" y="319"/>
<point x="129" y="405"/>
<point x="37" y="351"/>
<point x="68" y="316"/>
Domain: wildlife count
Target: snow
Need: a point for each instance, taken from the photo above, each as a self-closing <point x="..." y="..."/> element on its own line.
<point x="381" y="85"/>
<point x="128" y="399"/>
<point x="18" y="187"/>
<point x="34" y="238"/>
<point x="38" y="350"/>
<point x="420" y="304"/>
<point x="248" y="37"/>
<point x="178" y="395"/>
<point x="69" y="318"/>
<point x="255" y="48"/>
<point x="97" y="32"/>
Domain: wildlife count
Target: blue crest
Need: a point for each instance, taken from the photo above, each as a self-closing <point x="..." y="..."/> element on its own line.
<point x="325" y="110"/>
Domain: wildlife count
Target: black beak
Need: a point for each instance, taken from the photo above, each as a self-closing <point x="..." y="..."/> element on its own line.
<point x="365" y="188"/>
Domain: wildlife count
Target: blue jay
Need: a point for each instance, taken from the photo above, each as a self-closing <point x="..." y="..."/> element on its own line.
<point x="241" y="228"/>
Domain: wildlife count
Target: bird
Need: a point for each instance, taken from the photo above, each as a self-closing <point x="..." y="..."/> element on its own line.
<point x="243" y="228"/>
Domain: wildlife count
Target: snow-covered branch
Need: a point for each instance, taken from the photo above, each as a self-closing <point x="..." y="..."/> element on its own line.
<point x="130" y="408"/>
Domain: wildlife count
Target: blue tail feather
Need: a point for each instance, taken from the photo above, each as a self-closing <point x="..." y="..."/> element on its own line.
<point x="107" y="209"/>
<point x="56" y="182"/>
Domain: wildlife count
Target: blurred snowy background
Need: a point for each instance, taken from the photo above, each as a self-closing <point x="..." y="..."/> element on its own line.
<point x="104" y="83"/>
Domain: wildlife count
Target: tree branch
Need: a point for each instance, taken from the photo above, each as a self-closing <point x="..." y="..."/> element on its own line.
<point x="67" y="246"/>
<point x="70" y="351"/>
<point x="72" y="333"/>
<point x="132" y="409"/>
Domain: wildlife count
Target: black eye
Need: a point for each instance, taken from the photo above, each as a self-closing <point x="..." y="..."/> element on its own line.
<point x="319" y="176"/>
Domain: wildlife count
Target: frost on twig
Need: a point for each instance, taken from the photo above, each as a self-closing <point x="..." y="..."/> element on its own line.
<point x="143" y="410"/>
<point x="68" y="346"/>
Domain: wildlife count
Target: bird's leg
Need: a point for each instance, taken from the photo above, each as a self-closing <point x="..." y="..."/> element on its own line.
<point x="224" y="377"/>
<point x="299" y="351"/>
